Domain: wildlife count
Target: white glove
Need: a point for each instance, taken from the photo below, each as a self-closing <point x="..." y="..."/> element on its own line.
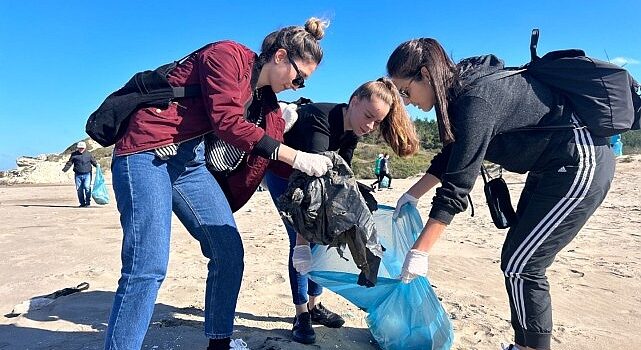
<point x="405" y="198"/>
<point x="416" y="264"/>
<point x="289" y="114"/>
<point x="302" y="259"/>
<point x="312" y="164"/>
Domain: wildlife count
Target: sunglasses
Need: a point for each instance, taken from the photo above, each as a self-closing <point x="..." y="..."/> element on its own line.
<point x="299" y="81"/>
<point x="405" y="93"/>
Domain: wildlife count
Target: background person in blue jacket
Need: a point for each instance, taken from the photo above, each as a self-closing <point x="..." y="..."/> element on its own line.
<point x="82" y="160"/>
<point x="320" y="127"/>
<point x="569" y="170"/>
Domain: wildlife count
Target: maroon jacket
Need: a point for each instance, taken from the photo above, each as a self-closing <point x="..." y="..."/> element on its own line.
<point x="224" y="71"/>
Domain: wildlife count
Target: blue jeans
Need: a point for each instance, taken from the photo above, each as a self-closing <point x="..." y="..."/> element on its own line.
<point x="83" y="188"/>
<point x="300" y="285"/>
<point x="147" y="190"/>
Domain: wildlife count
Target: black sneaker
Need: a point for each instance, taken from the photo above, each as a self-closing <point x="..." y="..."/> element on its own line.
<point x="322" y="315"/>
<point x="303" y="332"/>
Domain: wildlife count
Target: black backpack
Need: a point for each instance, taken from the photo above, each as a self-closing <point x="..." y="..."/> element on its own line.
<point x="145" y="89"/>
<point x="603" y="95"/>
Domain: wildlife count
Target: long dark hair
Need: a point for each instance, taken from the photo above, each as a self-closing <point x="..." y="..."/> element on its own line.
<point x="406" y="62"/>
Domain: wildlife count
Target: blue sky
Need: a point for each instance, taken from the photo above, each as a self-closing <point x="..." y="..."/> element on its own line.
<point x="59" y="59"/>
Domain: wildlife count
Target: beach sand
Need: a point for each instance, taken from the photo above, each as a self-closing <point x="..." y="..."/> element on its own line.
<point x="48" y="244"/>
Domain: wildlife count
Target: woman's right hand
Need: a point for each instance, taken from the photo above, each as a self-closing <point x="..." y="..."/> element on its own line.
<point x="405" y="198"/>
<point x="312" y="164"/>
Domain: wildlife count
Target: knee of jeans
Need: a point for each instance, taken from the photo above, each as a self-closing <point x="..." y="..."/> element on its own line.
<point x="150" y="269"/>
<point x="230" y="253"/>
<point x="156" y="272"/>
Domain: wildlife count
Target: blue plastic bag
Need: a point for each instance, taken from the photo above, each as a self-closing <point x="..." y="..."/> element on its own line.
<point x="99" y="193"/>
<point x="400" y="316"/>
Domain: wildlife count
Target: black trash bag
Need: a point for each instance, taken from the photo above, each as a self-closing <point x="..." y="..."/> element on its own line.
<point x="330" y="210"/>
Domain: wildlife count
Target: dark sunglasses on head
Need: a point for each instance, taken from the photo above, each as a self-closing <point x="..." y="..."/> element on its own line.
<point x="299" y="81"/>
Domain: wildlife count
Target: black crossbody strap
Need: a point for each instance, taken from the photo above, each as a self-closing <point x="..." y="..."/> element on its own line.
<point x="485" y="174"/>
<point x="186" y="91"/>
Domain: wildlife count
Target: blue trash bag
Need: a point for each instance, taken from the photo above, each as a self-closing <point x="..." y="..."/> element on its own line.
<point x="384" y="183"/>
<point x="617" y="144"/>
<point x="99" y="193"/>
<point x="400" y="316"/>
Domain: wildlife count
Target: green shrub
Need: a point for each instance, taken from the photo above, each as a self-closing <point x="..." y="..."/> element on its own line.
<point x="631" y="142"/>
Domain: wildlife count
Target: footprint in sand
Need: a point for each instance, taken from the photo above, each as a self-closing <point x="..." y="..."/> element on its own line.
<point x="577" y="273"/>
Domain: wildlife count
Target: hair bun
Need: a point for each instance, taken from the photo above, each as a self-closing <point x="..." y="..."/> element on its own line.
<point x="316" y="27"/>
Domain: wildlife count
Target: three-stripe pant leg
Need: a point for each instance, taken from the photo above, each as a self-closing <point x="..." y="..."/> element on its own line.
<point x="554" y="206"/>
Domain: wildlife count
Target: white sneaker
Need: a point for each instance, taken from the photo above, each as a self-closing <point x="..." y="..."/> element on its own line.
<point x="238" y="344"/>
<point x="508" y="347"/>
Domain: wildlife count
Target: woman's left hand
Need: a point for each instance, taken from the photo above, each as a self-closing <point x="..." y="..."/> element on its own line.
<point x="302" y="258"/>
<point x="405" y="198"/>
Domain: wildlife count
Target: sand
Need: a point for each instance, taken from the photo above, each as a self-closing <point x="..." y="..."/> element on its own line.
<point x="48" y="244"/>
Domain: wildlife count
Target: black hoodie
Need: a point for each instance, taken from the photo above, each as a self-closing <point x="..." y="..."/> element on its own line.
<point x="481" y="117"/>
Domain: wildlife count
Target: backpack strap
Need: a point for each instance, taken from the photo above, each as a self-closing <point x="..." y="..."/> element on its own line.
<point x="503" y="73"/>
<point x="485" y="174"/>
<point x="189" y="90"/>
<point x="508" y="72"/>
<point x="186" y="91"/>
<point x="191" y="53"/>
<point x="534" y="41"/>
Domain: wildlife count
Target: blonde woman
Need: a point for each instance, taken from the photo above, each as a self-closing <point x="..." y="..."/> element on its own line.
<point x="375" y="105"/>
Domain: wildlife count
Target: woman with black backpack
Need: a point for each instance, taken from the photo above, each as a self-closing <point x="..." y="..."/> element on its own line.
<point x="570" y="169"/>
<point x="159" y="167"/>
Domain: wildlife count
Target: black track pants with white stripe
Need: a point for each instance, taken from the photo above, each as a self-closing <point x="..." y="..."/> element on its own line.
<point x="555" y="203"/>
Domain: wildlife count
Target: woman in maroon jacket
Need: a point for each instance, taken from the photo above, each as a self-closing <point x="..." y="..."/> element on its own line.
<point x="159" y="167"/>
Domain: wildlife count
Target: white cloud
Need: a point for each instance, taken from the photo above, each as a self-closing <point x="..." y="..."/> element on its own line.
<point x="620" y="61"/>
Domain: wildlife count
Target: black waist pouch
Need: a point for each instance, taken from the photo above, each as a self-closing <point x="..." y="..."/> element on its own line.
<point x="498" y="200"/>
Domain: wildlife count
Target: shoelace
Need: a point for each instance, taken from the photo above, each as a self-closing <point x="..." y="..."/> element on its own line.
<point x="322" y="310"/>
<point x="238" y="344"/>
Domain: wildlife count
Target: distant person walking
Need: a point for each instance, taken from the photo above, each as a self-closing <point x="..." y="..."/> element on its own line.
<point x="383" y="172"/>
<point x="377" y="169"/>
<point x="82" y="160"/>
<point x="377" y="164"/>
